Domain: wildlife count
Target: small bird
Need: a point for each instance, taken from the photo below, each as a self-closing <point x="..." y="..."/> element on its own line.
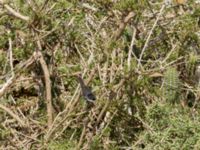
<point x="86" y="90"/>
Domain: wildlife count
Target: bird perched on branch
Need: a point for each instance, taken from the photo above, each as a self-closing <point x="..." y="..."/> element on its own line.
<point x="86" y="90"/>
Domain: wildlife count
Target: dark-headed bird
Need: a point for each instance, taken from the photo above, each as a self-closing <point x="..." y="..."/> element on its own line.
<point x="86" y="91"/>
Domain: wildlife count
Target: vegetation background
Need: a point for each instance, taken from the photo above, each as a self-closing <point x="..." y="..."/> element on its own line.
<point x="141" y="58"/>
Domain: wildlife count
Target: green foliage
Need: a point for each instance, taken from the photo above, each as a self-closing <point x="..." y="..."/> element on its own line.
<point x="158" y="115"/>
<point x="64" y="4"/>
<point x="128" y="5"/>
<point x="4" y="133"/>
<point x="61" y="145"/>
<point x="2" y="60"/>
<point x="19" y="53"/>
<point x="170" y="128"/>
<point x="96" y="143"/>
<point x="191" y="63"/>
<point x="171" y="85"/>
<point x="196" y="13"/>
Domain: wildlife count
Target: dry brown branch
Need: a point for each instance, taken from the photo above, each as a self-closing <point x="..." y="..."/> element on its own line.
<point x="123" y="24"/>
<point x="67" y="111"/>
<point x="17" y="118"/>
<point x="55" y="124"/>
<point x="87" y="129"/>
<point x="18" y="69"/>
<point x="107" y="120"/>
<point x="95" y="121"/>
<point x="48" y="91"/>
<point x="130" y="53"/>
<point x="103" y="112"/>
<point x="149" y="35"/>
<point x="6" y="86"/>
<point x="14" y="12"/>
<point x="47" y="86"/>
<point x="44" y="4"/>
<point x="88" y="6"/>
<point x="82" y="137"/>
<point x="11" y="56"/>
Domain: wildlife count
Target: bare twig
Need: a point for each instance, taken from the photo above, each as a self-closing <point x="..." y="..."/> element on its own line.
<point x="82" y="137"/>
<point x="11" y="56"/>
<point x="149" y="36"/>
<point x="22" y="123"/>
<point x="20" y="67"/>
<point x="14" y="12"/>
<point x="88" y="6"/>
<point x="122" y="25"/>
<point x="102" y="112"/>
<point x="6" y="85"/>
<point x="67" y="111"/>
<point x="169" y="54"/>
<point x="47" y="85"/>
<point x="131" y="49"/>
